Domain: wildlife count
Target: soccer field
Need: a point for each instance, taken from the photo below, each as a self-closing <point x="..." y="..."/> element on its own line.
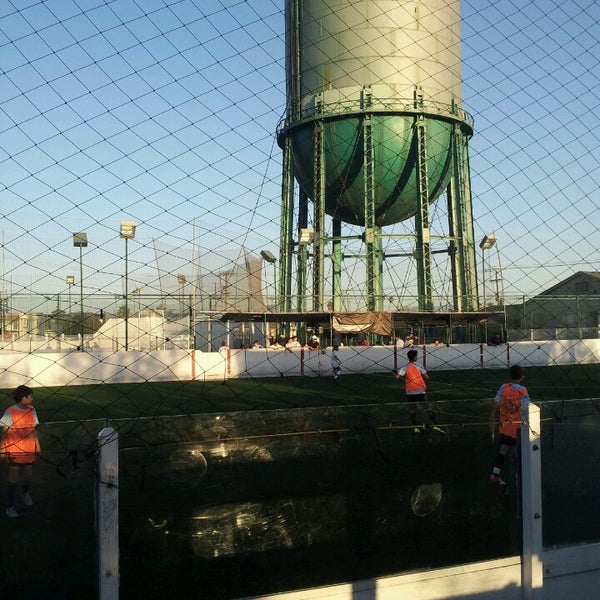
<point x="150" y="399"/>
<point x="300" y="496"/>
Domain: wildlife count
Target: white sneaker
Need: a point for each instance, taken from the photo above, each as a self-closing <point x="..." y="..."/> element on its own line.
<point x="26" y="499"/>
<point x="11" y="512"/>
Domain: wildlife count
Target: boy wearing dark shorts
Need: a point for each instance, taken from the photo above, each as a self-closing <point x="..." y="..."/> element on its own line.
<point x="416" y="390"/>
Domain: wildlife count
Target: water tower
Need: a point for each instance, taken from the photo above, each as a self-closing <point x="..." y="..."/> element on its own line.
<point x="374" y="133"/>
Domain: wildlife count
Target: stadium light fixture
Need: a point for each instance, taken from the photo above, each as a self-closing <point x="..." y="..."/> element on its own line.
<point x="488" y="241"/>
<point x="127" y="232"/>
<point x="268" y="256"/>
<point x="306" y="236"/>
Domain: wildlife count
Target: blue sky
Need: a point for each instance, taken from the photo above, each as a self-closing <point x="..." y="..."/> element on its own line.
<point x="532" y="81"/>
<point x="165" y="113"/>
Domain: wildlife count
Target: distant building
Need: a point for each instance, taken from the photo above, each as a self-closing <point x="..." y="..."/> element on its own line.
<point x="20" y="325"/>
<point x="567" y="310"/>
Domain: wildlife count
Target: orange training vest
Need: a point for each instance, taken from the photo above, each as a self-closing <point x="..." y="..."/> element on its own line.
<point x="19" y="443"/>
<point x="510" y="410"/>
<point x="414" y="380"/>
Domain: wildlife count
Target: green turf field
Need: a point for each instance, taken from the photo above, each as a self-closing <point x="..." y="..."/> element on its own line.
<point x="112" y="401"/>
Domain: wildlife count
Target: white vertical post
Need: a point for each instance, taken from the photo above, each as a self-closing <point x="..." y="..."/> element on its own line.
<point x="107" y="514"/>
<point x="532" y="568"/>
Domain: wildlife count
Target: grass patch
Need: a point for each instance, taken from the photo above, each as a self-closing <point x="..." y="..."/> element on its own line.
<point x="113" y="401"/>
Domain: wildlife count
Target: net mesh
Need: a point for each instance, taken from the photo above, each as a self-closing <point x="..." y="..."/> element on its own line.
<point x="165" y="114"/>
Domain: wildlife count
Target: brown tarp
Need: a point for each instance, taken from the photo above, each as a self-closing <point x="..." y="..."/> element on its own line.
<point x="363" y="322"/>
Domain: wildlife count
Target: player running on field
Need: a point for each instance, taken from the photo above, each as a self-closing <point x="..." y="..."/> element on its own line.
<point x="416" y="391"/>
<point x="512" y="401"/>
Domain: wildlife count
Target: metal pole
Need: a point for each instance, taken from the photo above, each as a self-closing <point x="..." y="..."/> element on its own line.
<point x="107" y="514"/>
<point x="139" y="310"/>
<point x="276" y="302"/>
<point x="319" y="240"/>
<point x="336" y="260"/>
<point x="191" y="336"/>
<point x="483" y="276"/>
<point x="126" y="294"/>
<point x="422" y="221"/>
<point x="81" y="291"/>
<point x="532" y="567"/>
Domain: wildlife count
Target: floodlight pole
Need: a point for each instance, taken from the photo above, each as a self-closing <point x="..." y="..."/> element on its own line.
<point x="127" y="231"/>
<point x="70" y="283"/>
<point x="126" y="297"/>
<point x="80" y="241"/>
<point x="483" y="275"/>
<point x="81" y="292"/>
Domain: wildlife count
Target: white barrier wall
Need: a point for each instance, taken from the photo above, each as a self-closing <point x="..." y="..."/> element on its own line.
<point x="569" y="573"/>
<point x="379" y="359"/>
<point x="93" y="367"/>
<point x="87" y="368"/>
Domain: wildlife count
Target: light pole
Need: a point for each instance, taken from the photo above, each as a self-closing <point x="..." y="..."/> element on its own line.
<point x="486" y="243"/>
<point x="127" y="232"/>
<point x="269" y="257"/>
<point x="306" y="238"/>
<point x="80" y="241"/>
<point x="139" y="310"/>
<point x="70" y="283"/>
<point x="181" y="280"/>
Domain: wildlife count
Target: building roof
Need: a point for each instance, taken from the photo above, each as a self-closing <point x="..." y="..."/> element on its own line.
<point x="558" y="288"/>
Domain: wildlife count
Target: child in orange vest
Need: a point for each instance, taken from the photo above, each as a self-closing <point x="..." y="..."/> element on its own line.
<point x="512" y="399"/>
<point x="416" y="390"/>
<point x="20" y="446"/>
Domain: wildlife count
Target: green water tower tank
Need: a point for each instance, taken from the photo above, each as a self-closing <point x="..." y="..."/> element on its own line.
<point x="388" y="61"/>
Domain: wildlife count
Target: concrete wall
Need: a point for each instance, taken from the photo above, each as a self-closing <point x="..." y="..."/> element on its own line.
<point x="97" y="366"/>
<point x="94" y="367"/>
<point x="380" y="359"/>
<point x="568" y="573"/>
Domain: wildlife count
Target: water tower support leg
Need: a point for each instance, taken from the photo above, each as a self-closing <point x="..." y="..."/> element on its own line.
<point x="336" y="257"/>
<point x="286" y="249"/>
<point x="372" y="237"/>
<point x="460" y="224"/>
<point x="318" y="262"/>
<point x="301" y="280"/>
<point x="423" y="250"/>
